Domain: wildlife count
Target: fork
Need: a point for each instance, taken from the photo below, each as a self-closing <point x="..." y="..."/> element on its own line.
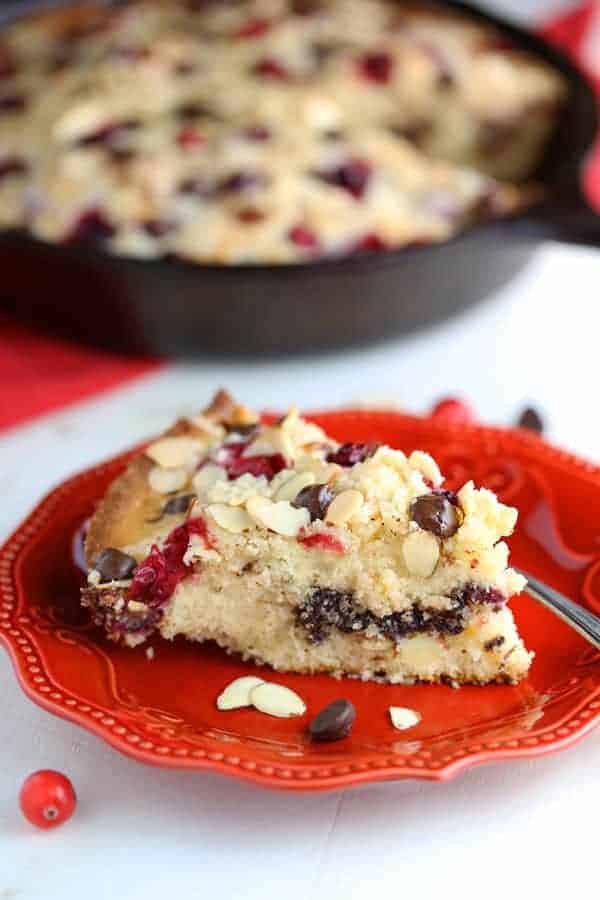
<point x="583" y="621"/>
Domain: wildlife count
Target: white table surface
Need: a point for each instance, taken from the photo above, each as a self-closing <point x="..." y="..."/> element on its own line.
<point x="522" y="828"/>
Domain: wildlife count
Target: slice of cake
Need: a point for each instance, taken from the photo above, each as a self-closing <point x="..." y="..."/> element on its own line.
<point x="290" y="549"/>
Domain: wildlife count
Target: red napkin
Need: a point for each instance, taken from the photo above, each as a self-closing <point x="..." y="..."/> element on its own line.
<point x="39" y="374"/>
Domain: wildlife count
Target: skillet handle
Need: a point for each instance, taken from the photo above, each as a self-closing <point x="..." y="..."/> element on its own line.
<point x="572" y="221"/>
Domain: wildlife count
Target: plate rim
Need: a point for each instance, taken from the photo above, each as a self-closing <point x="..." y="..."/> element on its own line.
<point x="316" y="776"/>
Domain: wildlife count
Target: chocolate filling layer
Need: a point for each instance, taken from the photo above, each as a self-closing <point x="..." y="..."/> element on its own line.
<point x="325" y="609"/>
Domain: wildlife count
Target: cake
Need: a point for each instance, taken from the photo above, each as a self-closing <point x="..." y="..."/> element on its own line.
<point x="265" y="131"/>
<point x="280" y="544"/>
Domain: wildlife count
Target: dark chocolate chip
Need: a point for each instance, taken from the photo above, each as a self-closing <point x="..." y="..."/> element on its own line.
<point x="435" y="513"/>
<point x="334" y="722"/>
<point x="114" y="565"/>
<point x="531" y="419"/>
<point x="179" y="504"/>
<point x="316" y="499"/>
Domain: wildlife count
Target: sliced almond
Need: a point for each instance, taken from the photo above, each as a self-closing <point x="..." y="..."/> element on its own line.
<point x="421" y="552"/>
<point x="277" y="700"/>
<point x="237" y="694"/>
<point x="292" y="487"/>
<point x="344" y="506"/>
<point x="173" y="452"/>
<point x="203" y="423"/>
<point x="166" y="481"/>
<point x="231" y="518"/>
<point x="403" y="718"/>
<point x="207" y="476"/>
<point x="94" y="577"/>
<point x="426" y="465"/>
<point x="280" y="517"/>
<point x="269" y="441"/>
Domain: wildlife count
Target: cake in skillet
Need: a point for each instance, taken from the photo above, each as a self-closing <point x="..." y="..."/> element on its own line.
<point x="265" y="131"/>
<point x="290" y="549"/>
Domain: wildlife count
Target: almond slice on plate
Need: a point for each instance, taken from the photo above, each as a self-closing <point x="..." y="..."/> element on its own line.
<point x="237" y="694"/>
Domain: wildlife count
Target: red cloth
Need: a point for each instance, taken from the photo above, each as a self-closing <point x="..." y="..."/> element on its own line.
<point x="39" y="374"/>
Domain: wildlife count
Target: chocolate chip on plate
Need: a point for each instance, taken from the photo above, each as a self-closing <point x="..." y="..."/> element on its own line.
<point x="114" y="565"/>
<point x="531" y="419"/>
<point x="316" y="499"/>
<point x="179" y="504"/>
<point x="334" y="722"/>
<point x="435" y="513"/>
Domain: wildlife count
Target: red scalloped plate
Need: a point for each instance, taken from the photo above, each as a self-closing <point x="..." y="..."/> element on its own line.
<point x="162" y="711"/>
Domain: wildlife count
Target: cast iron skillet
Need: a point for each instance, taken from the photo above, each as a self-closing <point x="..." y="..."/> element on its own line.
<point x="182" y="309"/>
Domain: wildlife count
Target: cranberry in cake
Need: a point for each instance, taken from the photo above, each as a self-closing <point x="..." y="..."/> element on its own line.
<point x="265" y="131"/>
<point x="280" y="544"/>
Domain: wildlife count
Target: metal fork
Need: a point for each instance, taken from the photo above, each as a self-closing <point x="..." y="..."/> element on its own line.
<point x="583" y="621"/>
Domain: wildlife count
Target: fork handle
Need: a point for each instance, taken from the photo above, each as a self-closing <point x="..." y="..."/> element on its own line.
<point x="583" y="621"/>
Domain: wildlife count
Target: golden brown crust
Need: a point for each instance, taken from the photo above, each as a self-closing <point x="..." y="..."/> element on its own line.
<point x="128" y="512"/>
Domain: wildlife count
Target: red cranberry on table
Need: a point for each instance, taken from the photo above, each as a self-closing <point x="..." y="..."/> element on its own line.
<point x="453" y="410"/>
<point x="47" y="798"/>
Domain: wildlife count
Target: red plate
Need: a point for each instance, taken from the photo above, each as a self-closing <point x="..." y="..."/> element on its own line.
<point x="163" y="711"/>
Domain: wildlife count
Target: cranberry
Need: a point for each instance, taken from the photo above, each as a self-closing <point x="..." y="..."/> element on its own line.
<point x="12" y="103"/>
<point x="322" y="541"/>
<point x="92" y="225"/>
<point x="376" y="67"/>
<point x="370" y="243"/>
<point x="353" y="176"/>
<point x="303" y="237"/>
<point x="12" y="165"/>
<point x="158" y="575"/>
<point x="257" y="133"/>
<point x="270" y="68"/>
<point x="349" y="454"/>
<point x="454" y="411"/>
<point x="230" y="457"/>
<point x="240" y="181"/>
<point x="47" y="798"/>
<point x="250" y="216"/>
<point x="189" y="137"/>
<point x="253" y="29"/>
<point x="268" y="466"/>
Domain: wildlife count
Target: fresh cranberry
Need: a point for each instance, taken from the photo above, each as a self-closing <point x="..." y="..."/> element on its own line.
<point x="270" y="68"/>
<point x="257" y="133"/>
<point x="47" y="798"/>
<point x="349" y="454"/>
<point x="268" y="466"/>
<point x="253" y="29"/>
<point x="240" y="181"/>
<point x="12" y="103"/>
<point x="92" y="225"/>
<point x="370" y="243"/>
<point x="158" y="575"/>
<point x="12" y="165"/>
<point x="250" y="215"/>
<point x="454" y="411"/>
<point x="353" y="176"/>
<point x="189" y="137"/>
<point x="322" y="541"/>
<point x="230" y="457"/>
<point x="376" y="67"/>
<point x="303" y="237"/>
